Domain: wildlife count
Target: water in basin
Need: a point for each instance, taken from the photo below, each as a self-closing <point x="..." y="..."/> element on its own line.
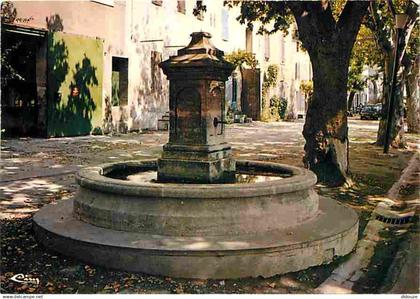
<point x="150" y="176"/>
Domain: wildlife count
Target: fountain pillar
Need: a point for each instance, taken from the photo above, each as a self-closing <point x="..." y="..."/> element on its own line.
<point x="197" y="151"/>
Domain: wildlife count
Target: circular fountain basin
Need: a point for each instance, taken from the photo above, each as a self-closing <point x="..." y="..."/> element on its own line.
<point x="270" y="221"/>
<point x="282" y="197"/>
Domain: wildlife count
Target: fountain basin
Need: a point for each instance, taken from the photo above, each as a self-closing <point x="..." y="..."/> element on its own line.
<point x="199" y="230"/>
<point x="146" y="206"/>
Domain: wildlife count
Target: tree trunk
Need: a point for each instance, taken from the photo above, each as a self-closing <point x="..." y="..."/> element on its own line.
<point x="396" y="138"/>
<point x="380" y="138"/>
<point x="329" y="44"/>
<point x="325" y="129"/>
<point x="350" y="101"/>
<point x="413" y="100"/>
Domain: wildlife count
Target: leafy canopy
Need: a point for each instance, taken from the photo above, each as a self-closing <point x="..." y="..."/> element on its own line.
<point x="242" y="58"/>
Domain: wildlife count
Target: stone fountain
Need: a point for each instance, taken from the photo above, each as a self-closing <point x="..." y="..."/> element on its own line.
<point x="195" y="212"/>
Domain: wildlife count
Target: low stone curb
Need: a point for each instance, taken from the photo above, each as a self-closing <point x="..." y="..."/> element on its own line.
<point x="399" y="262"/>
<point x="343" y="278"/>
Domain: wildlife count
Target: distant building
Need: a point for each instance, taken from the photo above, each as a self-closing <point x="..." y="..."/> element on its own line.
<point x="295" y="67"/>
<point x="91" y="63"/>
<point x="372" y="92"/>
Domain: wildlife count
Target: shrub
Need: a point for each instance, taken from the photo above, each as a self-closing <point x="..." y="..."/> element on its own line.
<point x="283" y="108"/>
<point x="276" y="109"/>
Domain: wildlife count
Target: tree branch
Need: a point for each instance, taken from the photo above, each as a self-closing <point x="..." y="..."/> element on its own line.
<point x="314" y="19"/>
<point x="391" y="7"/>
<point x="376" y="25"/>
<point x="408" y="32"/>
<point x="319" y="12"/>
<point x="351" y="18"/>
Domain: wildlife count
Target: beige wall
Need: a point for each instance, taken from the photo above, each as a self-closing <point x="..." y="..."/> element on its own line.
<point x="288" y="85"/>
<point x="164" y="29"/>
<point x="135" y="28"/>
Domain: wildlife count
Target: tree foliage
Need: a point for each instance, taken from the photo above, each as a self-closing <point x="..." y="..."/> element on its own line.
<point x="365" y="53"/>
<point x="241" y="58"/>
<point x="269" y="81"/>
<point x="8" y="15"/>
<point x="270" y="106"/>
<point x="8" y="12"/>
<point x="270" y="77"/>
<point x="8" y="71"/>
<point x="307" y="88"/>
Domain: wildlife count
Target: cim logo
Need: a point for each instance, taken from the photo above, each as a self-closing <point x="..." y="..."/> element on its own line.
<point x="22" y="278"/>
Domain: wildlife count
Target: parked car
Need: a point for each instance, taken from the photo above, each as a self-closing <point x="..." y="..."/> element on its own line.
<point x="371" y="111"/>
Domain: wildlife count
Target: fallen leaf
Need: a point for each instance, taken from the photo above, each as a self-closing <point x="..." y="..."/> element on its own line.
<point x="179" y="289"/>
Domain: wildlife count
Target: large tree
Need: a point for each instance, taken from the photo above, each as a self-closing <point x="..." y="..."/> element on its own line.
<point x="381" y="22"/>
<point x="327" y="31"/>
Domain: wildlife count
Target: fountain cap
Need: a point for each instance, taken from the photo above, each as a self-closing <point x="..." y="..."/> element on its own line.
<point x="201" y="44"/>
<point x="200" y="53"/>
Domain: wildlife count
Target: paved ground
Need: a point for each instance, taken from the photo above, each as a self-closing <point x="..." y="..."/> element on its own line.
<point x="33" y="169"/>
<point x="35" y="172"/>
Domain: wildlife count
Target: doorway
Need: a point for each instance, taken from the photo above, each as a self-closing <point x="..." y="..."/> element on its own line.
<point x="23" y="81"/>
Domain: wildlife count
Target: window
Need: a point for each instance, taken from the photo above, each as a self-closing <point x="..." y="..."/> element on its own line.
<point x="282" y="50"/>
<point x="297" y="46"/>
<point x="212" y="19"/>
<point x="157" y="2"/>
<point x="248" y="40"/>
<point x="267" y="46"/>
<point x="156" y="58"/>
<point x="105" y="2"/>
<point x="297" y="71"/>
<point x="225" y="25"/>
<point x="181" y="6"/>
<point x="119" y="81"/>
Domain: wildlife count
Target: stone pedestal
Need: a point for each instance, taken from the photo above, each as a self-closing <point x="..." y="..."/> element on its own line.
<point x="197" y="151"/>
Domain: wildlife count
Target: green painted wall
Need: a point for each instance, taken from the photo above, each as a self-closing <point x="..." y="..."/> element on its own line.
<point x="75" y="70"/>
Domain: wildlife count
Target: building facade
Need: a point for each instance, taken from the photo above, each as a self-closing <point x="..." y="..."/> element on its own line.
<point x="94" y="64"/>
<point x="294" y="68"/>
